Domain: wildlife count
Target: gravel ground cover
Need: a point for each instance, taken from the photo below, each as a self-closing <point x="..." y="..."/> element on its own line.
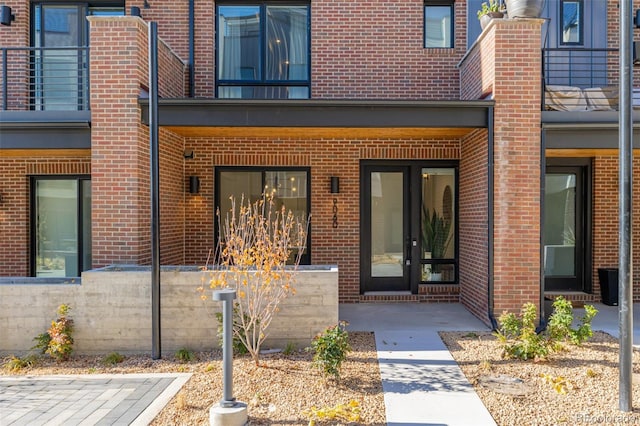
<point x="578" y="386"/>
<point x="277" y="392"/>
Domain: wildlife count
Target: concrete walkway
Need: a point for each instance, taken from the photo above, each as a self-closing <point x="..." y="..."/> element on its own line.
<point x="422" y="383"/>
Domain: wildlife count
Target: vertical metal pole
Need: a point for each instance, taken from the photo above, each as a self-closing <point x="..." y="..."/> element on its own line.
<point x="227" y="296"/>
<point x="156" y="351"/>
<point x="5" y="86"/>
<point x="625" y="255"/>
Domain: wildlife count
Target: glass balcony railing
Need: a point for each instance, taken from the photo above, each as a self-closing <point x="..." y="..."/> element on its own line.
<point x="45" y="79"/>
<point x="577" y="79"/>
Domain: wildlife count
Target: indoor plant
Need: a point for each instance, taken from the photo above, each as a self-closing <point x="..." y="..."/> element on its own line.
<point x="436" y="237"/>
<point x="489" y="11"/>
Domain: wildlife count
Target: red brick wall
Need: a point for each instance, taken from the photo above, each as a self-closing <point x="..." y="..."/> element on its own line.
<point x="120" y="147"/>
<point x="366" y="49"/>
<point x="14" y="208"/>
<point x="517" y="164"/>
<point x="605" y="220"/>
<point x="325" y="157"/>
<point x="359" y="49"/>
<point x="473" y="223"/>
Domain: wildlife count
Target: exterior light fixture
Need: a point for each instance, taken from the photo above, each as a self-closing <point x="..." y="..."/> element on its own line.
<point x="146" y="5"/>
<point x="6" y="16"/>
<point x="135" y="11"/>
<point x="335" y="189"/>
<point x="335" y="185"/>
<point x="188" y="154"/>
<point x="194" y="184"/>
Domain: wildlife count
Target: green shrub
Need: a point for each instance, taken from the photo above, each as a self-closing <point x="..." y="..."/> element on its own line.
<point x="289" y="349"/>
<point x="185" y="355"/>
<point x="113" y="358"/>
<point x="518" y="336"/>
<point x="331" y="348"/>
<point x="42" y="342"/>
<point x="61" y="345"/>
<point x="519" y="339"/>
<point x="561" y="320"/>
<point x="14" y="364"/>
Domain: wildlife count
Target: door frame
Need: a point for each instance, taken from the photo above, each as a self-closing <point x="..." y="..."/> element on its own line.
<point x="584" y="236"/>
<point x="412" y="225"/>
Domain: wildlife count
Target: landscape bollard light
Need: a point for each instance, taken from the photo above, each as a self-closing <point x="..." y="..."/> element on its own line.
<point x="227" y="412"/>
<point x="227" y="297"/>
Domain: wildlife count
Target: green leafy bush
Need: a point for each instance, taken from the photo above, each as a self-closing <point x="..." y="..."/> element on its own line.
<point x="331" y="348"/>
<point x="519" y="339"/>
<point x="42" y="342"/>
<point x="14" y="364"/>
<point x="113" y="358"/>
<point x="518" y="336"/>
<point x="560" y="322"/>
<point x="185" y="355"/>
<point x="61" y="344"/>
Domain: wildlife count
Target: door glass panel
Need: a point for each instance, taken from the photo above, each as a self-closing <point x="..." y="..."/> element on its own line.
<point x="438" y="223"/>
<point x="387" y="218"/>
<point x="560" y="225"/>
<point x="56" y="228"/>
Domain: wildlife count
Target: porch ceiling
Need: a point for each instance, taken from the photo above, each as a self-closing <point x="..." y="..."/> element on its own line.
<point x="319" y="118"/>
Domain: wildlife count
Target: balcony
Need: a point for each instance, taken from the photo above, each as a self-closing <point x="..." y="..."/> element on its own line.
<point x="580" y="79"/>
<point x="45" y="79"/>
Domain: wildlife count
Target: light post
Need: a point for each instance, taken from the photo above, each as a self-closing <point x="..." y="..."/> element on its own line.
<point x="228" y="412"/>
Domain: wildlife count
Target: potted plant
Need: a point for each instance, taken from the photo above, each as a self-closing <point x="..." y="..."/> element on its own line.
<point x="489" y="11"/>
<point x="524" y="8"/>
<point x="436" y="237"/>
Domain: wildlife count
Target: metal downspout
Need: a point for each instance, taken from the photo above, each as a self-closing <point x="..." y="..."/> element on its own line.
<point x="191" y="47"/>
<point x="156" y="349"/>
<point x="490" y="221"/>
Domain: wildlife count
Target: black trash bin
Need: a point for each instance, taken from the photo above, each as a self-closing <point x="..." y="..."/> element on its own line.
<point x="608" y="285"/>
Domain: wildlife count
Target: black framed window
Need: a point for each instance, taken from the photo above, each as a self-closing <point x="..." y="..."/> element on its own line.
<point x="438" y="24"/>
<point x="60" y="225"/>
<point x="263" y="50"/>
<point x="289" y="186"/>
<point x="572" y="22"/>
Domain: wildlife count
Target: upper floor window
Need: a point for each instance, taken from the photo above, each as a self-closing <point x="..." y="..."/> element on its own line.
<point x="571" y="12"/>
<point x="438" y="23"/>
<point x="263" y="51"/>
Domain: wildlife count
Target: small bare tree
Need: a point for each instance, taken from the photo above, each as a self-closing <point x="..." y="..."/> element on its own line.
<point x="257" y="253"/>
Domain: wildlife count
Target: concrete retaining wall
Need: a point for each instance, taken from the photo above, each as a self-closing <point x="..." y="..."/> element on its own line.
<point x="111" y="308"/>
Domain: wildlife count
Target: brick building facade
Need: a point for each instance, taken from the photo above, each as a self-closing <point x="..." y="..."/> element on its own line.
<point x="456" y="132"/>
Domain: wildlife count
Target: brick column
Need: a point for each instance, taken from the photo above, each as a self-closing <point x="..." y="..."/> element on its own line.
<point x="517" y="160"/>
<point x="119" y="145"/>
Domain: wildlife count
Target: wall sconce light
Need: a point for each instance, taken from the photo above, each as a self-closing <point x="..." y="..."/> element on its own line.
<point x="6" y="16"/>
<point x="335" y="189"/>
<point x="188" y="154"/>
<point x="135" y="11"/>
<point x="146" y="5"/>
<point x="636" y="19"/>
<point x="335" y="185"/>
<point x="194" y="184"/>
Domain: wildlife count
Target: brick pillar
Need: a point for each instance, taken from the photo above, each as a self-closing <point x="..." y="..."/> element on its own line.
<point x="517" y="159"/>
<point x="119" y="145"/>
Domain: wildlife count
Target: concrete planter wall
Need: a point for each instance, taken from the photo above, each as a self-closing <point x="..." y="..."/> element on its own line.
<point x="111" y="308"/>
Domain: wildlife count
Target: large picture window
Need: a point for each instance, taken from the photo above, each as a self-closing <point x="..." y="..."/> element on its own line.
<point x="290" y="187"/>
<point x="61" y="226"/>
<point x="263" y="51"/>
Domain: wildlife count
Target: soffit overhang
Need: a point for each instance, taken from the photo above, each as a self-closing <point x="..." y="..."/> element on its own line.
<point x="319" y="118"/>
